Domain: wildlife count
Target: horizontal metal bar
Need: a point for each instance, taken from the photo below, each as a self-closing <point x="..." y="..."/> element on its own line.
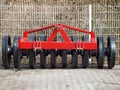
<point x="57" y="45"/>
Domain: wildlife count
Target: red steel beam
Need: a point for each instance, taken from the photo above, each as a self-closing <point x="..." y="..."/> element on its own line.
<point x="57" y="45"/>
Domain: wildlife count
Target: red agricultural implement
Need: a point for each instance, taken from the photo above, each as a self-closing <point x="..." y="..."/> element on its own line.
<point x="29" y="46"/>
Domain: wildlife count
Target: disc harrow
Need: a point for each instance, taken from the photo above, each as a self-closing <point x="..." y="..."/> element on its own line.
<point x="29" y="46"/>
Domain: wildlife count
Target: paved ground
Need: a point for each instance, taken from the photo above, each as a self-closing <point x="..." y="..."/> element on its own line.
<point x="60" y="79"/>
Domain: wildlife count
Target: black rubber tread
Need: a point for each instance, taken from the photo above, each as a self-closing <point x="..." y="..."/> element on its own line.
<point x="101" y="52"/>
<point x="43" y="54"/>
<point x="64" y="58"/>
<point x="85" y="56"/>
<point x="42" y="59"/>
<point x="31" y="55"/>
<point x="74" y="53"/>
<point x="53" y="58"/>
<point x="112" y="52"/>
<point x="6" y="58"/>
<point x="16" y="53"/>
<point x="85" y="59"/>
<point x="32" y="59"/>
<point x="74" y="59"/>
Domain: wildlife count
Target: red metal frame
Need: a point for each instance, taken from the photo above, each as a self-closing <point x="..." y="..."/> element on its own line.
<point x="24" y="43"/>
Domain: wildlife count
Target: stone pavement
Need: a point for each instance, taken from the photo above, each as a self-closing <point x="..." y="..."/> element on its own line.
<point x="60" y="79"/>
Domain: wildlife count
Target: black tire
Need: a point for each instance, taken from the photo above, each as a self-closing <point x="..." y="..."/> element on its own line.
<point x="85" y="59"/>
<point x="32" y="59"/>
<point x="74" y="53"/>
<point x="74" y="59"/>
<point x="112" y="52"/>
<point x="100" y="53"/>
<point x="43" y="54"/>
<point x="64" y="58"/>
<point x="42" y="59"/>
<point x="53" y="58"/>
<point x="85" y="56"/>
<point x="31" y="55"/>
<point x="6" y="56"/>
<point x="16" y="53"/>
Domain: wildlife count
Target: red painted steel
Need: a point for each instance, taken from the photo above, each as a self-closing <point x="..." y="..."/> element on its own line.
<point x="24" y="43"/>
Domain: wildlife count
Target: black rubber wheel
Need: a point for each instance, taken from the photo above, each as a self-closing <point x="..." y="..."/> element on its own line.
<point x="6" y="56"/>
<point x="31" y="55"/>
<point x="32" y="59"/>
<point x="43" y="54"/>
<point x="74" y="53"/>
<point x="74" y="59"/>
<point x="53" y="58"/>
<point x="112" y="52"/>
<point x="16" y="53"/>
<point x="64" y="58"/>
<point x="42" y="59"/>
<point x="85" y="56"/>
<point x="85" y="59"/>
<point x="100" y="52"/>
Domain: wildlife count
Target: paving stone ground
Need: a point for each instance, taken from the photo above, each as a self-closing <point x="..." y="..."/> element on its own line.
<point x="60" y="79"/>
